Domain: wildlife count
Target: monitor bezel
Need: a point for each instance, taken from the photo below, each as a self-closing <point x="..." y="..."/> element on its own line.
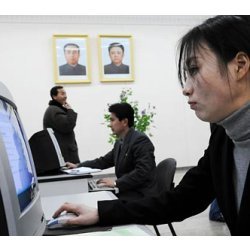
<point x="19" y="222"/>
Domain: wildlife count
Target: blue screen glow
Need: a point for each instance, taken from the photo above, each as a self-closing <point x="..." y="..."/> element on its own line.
<point x="17" y="153"/>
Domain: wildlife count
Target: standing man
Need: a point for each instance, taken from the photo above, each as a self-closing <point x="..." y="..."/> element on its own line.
<point x="132" y="156"/>
<point x="72" y="56"/>
<point x="62" y="119"/>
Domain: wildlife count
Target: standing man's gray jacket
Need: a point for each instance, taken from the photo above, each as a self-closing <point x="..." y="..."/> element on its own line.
<point x="63" y="121"/>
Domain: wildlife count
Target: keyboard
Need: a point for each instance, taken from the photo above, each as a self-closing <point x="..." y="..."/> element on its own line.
<point x="93" y="187"/>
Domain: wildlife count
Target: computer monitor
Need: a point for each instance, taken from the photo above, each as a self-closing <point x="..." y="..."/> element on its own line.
<point x="20" y="206"/>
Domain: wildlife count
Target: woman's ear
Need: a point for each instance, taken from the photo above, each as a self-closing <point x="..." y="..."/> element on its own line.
<point x="242" y="65"/>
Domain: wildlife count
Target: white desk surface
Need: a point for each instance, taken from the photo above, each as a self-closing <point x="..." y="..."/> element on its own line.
<point x="125" y="230"/>
<point x="67" y="184"/>
<point x="62" y="177"/>
<point x="51" y="203"/>
<point x="47" y="178"/>
<point x="106" y="172"/>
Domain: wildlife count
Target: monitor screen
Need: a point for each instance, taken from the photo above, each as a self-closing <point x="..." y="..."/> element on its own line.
<point x="17" y="155"/>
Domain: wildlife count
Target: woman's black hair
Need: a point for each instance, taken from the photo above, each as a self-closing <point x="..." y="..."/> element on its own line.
<point x="224" y="35"/>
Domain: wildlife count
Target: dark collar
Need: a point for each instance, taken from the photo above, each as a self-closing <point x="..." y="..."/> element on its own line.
<point x="128" y="135"/>
<point x="55" y="103"/>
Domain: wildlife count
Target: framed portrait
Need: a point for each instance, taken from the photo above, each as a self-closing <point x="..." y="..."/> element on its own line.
<point x="116" y="58"/>
<point x="71" y="59"/>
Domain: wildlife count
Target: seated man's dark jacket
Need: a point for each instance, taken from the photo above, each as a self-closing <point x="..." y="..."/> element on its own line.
<point x="212" y="178"/>
<point x="134" y="165"/>
<point x="63" y="121"/>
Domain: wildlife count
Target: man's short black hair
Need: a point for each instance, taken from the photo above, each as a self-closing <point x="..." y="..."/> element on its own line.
<point x="112" y="45"/>
<point x="54" y="91"/>
<point x="123" y="111"/>
<point x="71" y="44"/>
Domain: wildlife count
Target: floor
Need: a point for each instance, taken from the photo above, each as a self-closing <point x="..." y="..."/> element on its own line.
<point x="198" y="225"/>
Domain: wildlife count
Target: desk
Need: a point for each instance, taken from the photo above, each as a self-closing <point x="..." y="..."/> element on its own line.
<point x="109" y="172"/>
<point x="63" y="184"/>
<point x="69" y="184"/>
<point x="126" y="230"/>
<point x="52" y="203"/>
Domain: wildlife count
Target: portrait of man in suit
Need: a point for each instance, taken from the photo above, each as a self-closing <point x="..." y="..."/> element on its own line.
<point x="116" y="54"/>
<point x="72" y="66"/>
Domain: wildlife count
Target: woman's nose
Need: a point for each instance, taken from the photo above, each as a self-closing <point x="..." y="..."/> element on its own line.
<point x="188" y="88"/>
<point x="185" y="92"/>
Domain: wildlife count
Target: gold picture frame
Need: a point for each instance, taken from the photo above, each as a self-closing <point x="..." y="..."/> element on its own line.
<point x="71" y="58"/>
<point x="116" y="58"/>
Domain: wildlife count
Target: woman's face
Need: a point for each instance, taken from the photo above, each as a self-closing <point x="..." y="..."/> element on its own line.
<point x="211" y="95"/>
<point x="116" y="55"/>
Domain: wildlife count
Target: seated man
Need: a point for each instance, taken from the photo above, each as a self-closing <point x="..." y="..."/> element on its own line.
<point x="132" y="156"/>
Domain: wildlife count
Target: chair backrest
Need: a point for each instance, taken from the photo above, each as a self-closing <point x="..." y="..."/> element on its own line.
<point x="46" y="154"/>
<point x="165" y="172"/>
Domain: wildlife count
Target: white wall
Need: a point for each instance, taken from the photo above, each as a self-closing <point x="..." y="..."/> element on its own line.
<point x="26" y="67"/>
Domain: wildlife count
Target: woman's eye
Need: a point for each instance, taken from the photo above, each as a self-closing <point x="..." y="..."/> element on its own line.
<point x="192" y="70"/>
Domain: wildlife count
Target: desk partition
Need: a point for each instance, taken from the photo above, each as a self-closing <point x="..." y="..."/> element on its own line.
<point x="63" y="184"/>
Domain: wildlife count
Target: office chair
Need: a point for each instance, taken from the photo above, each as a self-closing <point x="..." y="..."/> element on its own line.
<point x="165" y="175"/>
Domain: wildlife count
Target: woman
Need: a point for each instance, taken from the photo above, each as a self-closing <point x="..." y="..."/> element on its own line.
<point x="214" y="71"/>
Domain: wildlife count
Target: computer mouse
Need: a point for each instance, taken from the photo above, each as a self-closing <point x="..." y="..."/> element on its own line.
<point x="60" y="221"/>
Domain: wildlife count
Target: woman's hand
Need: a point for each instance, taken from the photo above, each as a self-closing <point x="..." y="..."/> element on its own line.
<point x="85" y="215"/>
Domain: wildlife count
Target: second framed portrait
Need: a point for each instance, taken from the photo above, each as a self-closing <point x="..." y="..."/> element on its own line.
<point x="116" y="58"/>
<point x="71" y="59"/>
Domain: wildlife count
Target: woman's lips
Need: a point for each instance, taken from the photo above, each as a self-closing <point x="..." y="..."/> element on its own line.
<point x="192" y="104"/>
